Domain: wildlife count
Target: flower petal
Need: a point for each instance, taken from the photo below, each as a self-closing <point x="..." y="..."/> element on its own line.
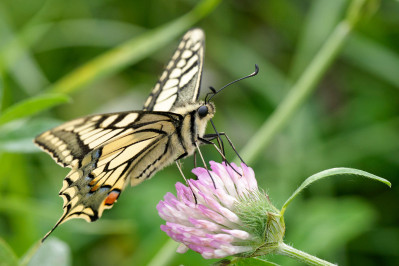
<point x="182" y="248"/>
<point x="205" y="224"/>
<point x="222" y="172"/>
<point x="203" y="217"/>
<point x="231" y="216"/>
<point x="249" y="175"/>
<point x="238" y="233"/>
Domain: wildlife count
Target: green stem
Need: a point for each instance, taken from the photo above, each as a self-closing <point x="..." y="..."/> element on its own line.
<point x="308" y="80"/>
<point x="29" y="254"/>
<point x="165" y="254"/>
<point x="301" y="256"/>
<point x="299" y="92"/>
<point x="131" y="51"/>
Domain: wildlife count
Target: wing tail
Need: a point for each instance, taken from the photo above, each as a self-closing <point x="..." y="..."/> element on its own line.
<point x="60" y="221"/>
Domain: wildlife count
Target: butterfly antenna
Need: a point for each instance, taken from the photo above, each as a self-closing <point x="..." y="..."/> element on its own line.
<point x="214" y="92"/>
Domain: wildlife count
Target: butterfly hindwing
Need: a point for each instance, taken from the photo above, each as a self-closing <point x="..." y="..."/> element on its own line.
<point x="131" y="156"/>
<point x="180" y="81"/>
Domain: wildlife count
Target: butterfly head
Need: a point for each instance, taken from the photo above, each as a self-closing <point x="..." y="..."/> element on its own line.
<point x="206" y="111"/>
<point x="203" y="113"/>
<point x="202" y="110"/>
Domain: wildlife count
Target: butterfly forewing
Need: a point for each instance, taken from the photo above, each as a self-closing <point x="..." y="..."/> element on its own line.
<point x="180" y="81"/>
<point x="71" y="141"/>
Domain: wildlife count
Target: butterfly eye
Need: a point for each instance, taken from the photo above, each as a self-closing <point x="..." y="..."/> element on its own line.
<point x="203" y="111"/>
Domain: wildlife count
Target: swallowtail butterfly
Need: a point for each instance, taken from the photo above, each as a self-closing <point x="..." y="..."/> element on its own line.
<point x="107" y="152"/>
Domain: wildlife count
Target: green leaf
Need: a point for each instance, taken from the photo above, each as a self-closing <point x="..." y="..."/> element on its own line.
<point x="165" y="254"/>
<point x="360" y="9"/>
<point x="336" y="220"/>
<point x="298" y="93"/>
<point x="1" y="88"/>
<point x="38" y="209"/>
<point x="51" y="252"/>
<point x="323" y="16"/>
<point x="26" y="258"/>
<point x="32" y="106"/>
<point x="15" y="53"/>
<point x="7" y="256"/>
<point x="87" y="32"/>
<point x="373" y="57"/>
<point x="132" y="51"/>
<point x="18" y="137"/>
<point x="328" y="173"/>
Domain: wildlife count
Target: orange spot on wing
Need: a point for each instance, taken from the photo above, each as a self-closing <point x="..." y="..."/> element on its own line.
<point x="112" y="197"/>
<point x="94" y="188"/>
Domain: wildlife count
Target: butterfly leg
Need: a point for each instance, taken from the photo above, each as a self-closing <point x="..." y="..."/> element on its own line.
<point x="210" y="137"/>
<point x="207" y="140"/>
<point x="219" y="139"/>
<point x="195" y="159"/>
<point x="203" y="161"/>
<point x="178" y="163"/>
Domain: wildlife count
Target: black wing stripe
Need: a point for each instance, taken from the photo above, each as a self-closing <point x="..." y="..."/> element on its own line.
<point x="149" y="174"/>
<point x="182" y="75"/>
<point x="192" y="127"/>
<point x="70" y="142"/>
<point x="144" y="174"/>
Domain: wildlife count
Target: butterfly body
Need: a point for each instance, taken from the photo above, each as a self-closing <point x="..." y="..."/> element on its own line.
<point x="149" y="142"/>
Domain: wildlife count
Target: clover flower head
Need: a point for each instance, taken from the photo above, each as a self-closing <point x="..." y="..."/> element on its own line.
<point x="227" y="216"/>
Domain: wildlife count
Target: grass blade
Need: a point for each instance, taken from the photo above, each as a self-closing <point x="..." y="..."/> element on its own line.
<point x="15" y="54"/>
<point x="315" y="33"/>
<point x="7" y="256"/>
<point x="373" y="57"/>
<point x="131" y="51"/>
<point x="32" y="106"/>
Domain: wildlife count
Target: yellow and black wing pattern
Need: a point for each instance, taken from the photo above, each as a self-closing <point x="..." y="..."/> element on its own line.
<point x="179" y="83"/>
<point x="105" y="152"/>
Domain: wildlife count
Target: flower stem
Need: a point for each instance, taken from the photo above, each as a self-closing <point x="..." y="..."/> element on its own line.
<point x="165" y="254"/>
<point x="132" y="50"/>
<point x="298" y="93"/>
<point x="301" y="256"/>
<point x="305" y="84"/>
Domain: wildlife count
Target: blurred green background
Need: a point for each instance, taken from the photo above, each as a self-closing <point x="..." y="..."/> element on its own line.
<point x="351" y="119"/>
